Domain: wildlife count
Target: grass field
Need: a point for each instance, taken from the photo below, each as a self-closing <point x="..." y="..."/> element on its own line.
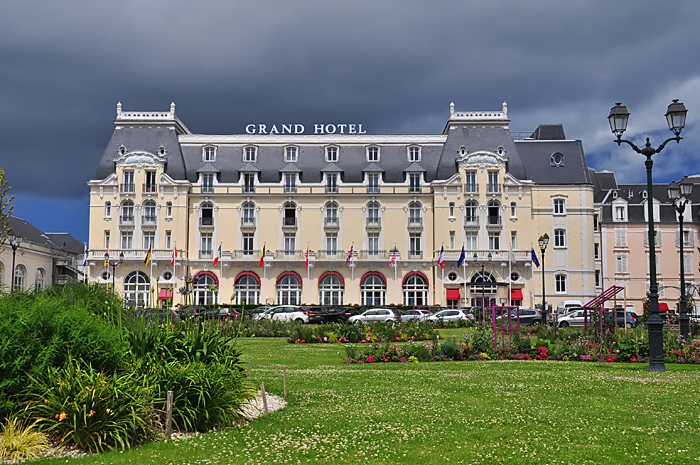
<point x="448" y="412"/>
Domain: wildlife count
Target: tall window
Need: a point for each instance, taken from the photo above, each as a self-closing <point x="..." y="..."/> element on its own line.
<point x="207" y="214"/>
<point x="128" y="212"/>
<point x="452" y="239"/>
<point x="331" y="182"/>
<point x="149" y="212"/>
<point x="290" y="155"/>
<point x="208" y="182"/>
<point x="149" y="240"/>
<point x="414" y="245"/>
<point x="373" y="290"/>
<point x="470" y="182"/>
<point x="560" y="283"/>
<point x="414" y="154"/>
<point x="494" y="211"/>
<point x="39" y="279"/>
<point x="414" y="182"/>
<point x="249" y="213"/>
<point x="513" y="209"/>
<point x="169" y="209"/>
<point x="558" y="206"/>
<point x="331" y="154"/>
<point x="137" y="289"/>
<point x="19" y="276"/>
<point x="470" y="212"/>
<point x="451" y="209"/>
<point x="373" y="154"/>
<point x="209" y="153"/>
<point x="373" y="243"/>
<point x="414" y="213"/>
<point x="248" y="239"/>
<point x="621" y="263"/>
<point x="203" y="295"/>
<point x="249" y="182"/>
<point x="206" y="250"/>
<point x="249" y="155"/>
<point x="332" y="213"/>
<point x="373" y="213"/>
<point x="289" y="243"/>
<point x="494" y="240"/>
<point x="288" y="290"/>
<point x="493" y="185"/>
<point x="128" y="184"/>
<point x="595" y="222"/>
<point x="331" y="243"/>
<point x="470" y="241"/>
<point x="168" y="240"/>
<point x="373" y="183"/>
<point x="290" y="210"/>
<point x="597" y="278"/>
<point x="514" y="240"/>
<point x="330" y="290"/>
<point x="150" y="185"/>
<point x="108" y="209"/>
<point x="246" y="289"/>
<point x="620" y="213"/>
<point x="290" y="182"/>
<point x="559" y="238"/>
<point x="415" y="290"/>
<point x="596" y="251"/>
<point x="127" y="239"/>
<point x="107" y="236"/>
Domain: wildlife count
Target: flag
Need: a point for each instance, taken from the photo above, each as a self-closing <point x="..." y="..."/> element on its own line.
<point x="85" y="255"/>
<point x="347" y="260"/>
<point x="172" y="260"/>
<point x="218" y="256"/>
<point x="307" y="256"/>
<point x="262" y="257"/>
<point x="534" y="257"/>
<point x="392" y="260"/>
<point x="147" y="260"/>
<point x="107" y="257"/>
<point x="441" y="258"/>
<point x="461" y="257"/>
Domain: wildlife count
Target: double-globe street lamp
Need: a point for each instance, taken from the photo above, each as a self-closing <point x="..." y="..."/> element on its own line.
<point x="15" y="241"/>
<point x="483" y="281"/>
<point x="679" y="192"/>
<point x="543" y="241"/>
<point x="675" y="116"/>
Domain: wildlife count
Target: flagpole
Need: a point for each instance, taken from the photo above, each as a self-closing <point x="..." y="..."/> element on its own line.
<point x="510" y="270"/>
<point x="308" y="274"/>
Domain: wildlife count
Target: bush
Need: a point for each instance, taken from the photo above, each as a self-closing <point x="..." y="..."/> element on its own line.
<point x="19" y="440"/>
<point x="92" y="410"/>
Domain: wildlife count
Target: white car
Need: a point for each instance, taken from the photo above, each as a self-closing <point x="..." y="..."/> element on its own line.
<point x="451" y="314"/>
<point x="575" y="318"/>
<point x="375" y="314"/>
<point x="288" y="313"/>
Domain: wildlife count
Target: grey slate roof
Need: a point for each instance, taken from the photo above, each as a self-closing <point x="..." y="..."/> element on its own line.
<point x="58" y="241"/>
<point x="634" y="195"/>
<point x="331" y="168"/>
<point x="414" y="168"/>
<point x="373" y="168"/>
<point x="208" y="167"/>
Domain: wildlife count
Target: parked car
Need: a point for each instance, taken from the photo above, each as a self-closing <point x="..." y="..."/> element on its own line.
<point x="214" y="314"/>
<point x="528" y="316"/>
<point x="331" y="314"/>
<point x="453" y="314"/>
<point x="575" y="318"/>
<point x="288" y="313"/>
<point x="190" y="312"/>
<point x="632" y="320"/>
<point x="567" y="306"/>
<point x="161" y="314"/>
<point x="415" y="315"/>
<point x="258" y="313"/>
<point x="375" y="314"/>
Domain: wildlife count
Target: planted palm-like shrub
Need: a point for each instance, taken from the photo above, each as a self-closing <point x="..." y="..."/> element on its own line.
<point x="91" y="409"/>
<point x="20" y="440"/>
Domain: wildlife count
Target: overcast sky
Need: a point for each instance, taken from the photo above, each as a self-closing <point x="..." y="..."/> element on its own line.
<point x="393" y="66"/>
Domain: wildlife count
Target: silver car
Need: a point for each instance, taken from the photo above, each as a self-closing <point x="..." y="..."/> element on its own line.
<point x="575" y="318"/>
<point x="415" y="315"/>
<point x="451" y="314"/>
<point x="375" y="314"/>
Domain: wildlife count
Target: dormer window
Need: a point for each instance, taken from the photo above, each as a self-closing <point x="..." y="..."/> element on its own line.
<point x="414" y="154"/>
<point x="331" y="154"/>
<point x="249" y="182"/>
<point x="209" y="154"/>
<point x="162" y="151"/>
<point x="207" y="182"/>
<point x="250" y="154"/>
<point x="556" y="159"/>
<point x="644" y="194"/>
<point x="290" y="154"/>
<point x="373" y="154"/>
<point x="373" y="183"/>
<point x="331" y="183"/>
<point x="620" y="213"/>
<point x="414" y="182"/>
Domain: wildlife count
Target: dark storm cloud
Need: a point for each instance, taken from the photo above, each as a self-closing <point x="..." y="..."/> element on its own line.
<point x="394" y="66"/>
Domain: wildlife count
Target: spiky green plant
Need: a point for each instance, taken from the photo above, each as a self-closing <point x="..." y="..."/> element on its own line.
<point x="20" y="440"/>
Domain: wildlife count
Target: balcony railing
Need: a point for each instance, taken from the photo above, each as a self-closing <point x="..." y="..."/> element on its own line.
<point x="248" y="189"/>
<point x="290" y="254"/>
<point x="290" y="189"/>
<point x="246" y="254"/>
<point x="373" y="189"/>
<point x="331" y="222"/>
<point x="414" y="189"/>
<point x="331" y="189"/>
<point x="127" y="220"/>
<point x="415" y="254"/>
<point x="148" y="220"/>
<point x="494" y="220"/>
<point x="149" y="188"/>
<point x="331" y="254"/>
<point x="206" y="221"/>
<point x="248" y="222"/>
<point x="374" y="222"/>
<point x="289" y="221"/>
<point x="471" y="188"/>
<point x="415" y="222"/>
<point x="471" y="221"/>
<point x="207" y="189"/>
<point x="127" y="188"/>
<point x="206" y="254"/>
<point x="373" y="254"/>
<point x="494" y="188"/>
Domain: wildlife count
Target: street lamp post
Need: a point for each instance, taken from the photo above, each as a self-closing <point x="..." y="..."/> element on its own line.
<point x="675" y="116"/>
<point x="483" y="281"/>
<point x="15" y="241"/>
<point x="676" y="191"/>
<point x="543" y="241"/>
<point x="114" y="265"/>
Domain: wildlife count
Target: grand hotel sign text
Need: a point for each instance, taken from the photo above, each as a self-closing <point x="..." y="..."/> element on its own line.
<point x="300" y="129"/>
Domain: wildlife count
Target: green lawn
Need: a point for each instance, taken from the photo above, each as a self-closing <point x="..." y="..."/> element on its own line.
<point x="449" y="412"/>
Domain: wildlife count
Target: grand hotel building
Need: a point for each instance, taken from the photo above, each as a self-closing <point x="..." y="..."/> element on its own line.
<point x="476" y="186"/>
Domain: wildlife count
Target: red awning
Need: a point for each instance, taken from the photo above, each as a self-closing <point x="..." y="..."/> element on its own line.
<point x="663" y="307"/>
<point x="453" y="294"/>
<point x="165" y="294"/>
<point x="516" y="294"/>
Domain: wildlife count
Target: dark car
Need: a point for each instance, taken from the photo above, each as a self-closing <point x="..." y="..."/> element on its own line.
<point x="330" y="314"/>
<point x="632" y="320"/>
<point x="190" y="312"/>
<point x="214" y="314"/>
<point x="162" y="314"/>
<point x="527" y="317"/>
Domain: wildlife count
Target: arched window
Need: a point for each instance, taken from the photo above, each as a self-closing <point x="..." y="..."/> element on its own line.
<point x="169" y="209"/>
<point x="494" y="211"/>
<point x="137" y="289"/>
<point x="149" y="211"/>
<point x="470" y="212"/>
<point x="39" y="279"/>
<point x="2" y="276"/>
<point x="108" y="209"/>
<point x="20" y="273"/>
<point x="414" y="212"/>
<point x="290" y="211"/>
<point x="128" y="212"/>
<point x="247" y="288"/>
<point x="330" y="289"/>
<point x="332" y="212"/>
<point x="373" y="290"/>
<point x="372" y="213"/>
<point x="415" y="290"/>
<point x="452" y="209"/>
<point x="289" y="289"/>
<point x="207" y="214"/>
<point x="513" y="209"/>
<point x="249" y="212"/>
<point x="203" y="287"/>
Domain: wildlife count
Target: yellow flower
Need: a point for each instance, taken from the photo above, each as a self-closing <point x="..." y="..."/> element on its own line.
<point x="62" y="417"/>
<point x="92" y="412"/>
<point x="46" y="401"/>
<point x="109" y="410"/>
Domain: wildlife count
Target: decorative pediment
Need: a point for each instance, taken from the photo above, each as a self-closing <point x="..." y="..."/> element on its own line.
<point x="140" y="159"/>
<point x="482" y="159"/>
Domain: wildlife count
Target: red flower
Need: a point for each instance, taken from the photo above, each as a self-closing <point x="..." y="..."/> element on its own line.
<point x="370" y="359"/>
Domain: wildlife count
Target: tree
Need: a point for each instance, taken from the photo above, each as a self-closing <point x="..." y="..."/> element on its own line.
<point x="5" y="208"/>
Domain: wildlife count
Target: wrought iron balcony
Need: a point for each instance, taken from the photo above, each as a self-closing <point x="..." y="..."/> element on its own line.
<point x="207" y="189"/>
<point x="206" y="221"/>
<point x="493" y="188"/>
<point x="374" y="222"/>
<point x="127" y="188"/>
<point x="149" y="188"/>
<point x="248" y="189"/>
<point x="331" y="189"/>
<point x="471" y="222"/>
<point x="415" y="222"/>
<point x="471" y="188"/>
<point x="335" y="254"/>
<point x="290" y="221"/>
<point x="290" y="189"/>
<point x="373" y="254"/>
<point x="248" y="222"/>
<point x="206" y="254"/>
<point x="494" y="221"/>
<point x="331" y="222"/>
<point x="149" y="219"/>
<point x="373" y="189"/>
<point x="126" y="220"/>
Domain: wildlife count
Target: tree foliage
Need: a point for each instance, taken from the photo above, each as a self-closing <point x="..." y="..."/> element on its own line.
<point x="5" y="208"/>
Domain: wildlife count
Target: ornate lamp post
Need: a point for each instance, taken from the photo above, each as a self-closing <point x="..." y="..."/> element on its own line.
<point x="675" y="116"/>
<point x="15" y="241"/>
<point x="483" y="281"/>
<point x="543" y="241"/>
<point x="679" y="192"/>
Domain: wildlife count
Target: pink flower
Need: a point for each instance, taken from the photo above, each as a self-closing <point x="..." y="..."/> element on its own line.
<point x="370" y="359"/>
<point x="325" y="338"/>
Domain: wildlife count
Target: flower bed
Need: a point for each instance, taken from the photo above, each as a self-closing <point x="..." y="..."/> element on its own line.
<point x="376" y="332"/>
